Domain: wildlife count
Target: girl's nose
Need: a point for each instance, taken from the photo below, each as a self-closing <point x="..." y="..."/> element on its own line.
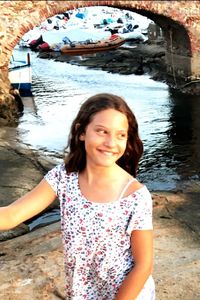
<point x="110" y="141"/>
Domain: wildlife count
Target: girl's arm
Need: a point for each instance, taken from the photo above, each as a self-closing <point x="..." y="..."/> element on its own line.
<point x="142" y="249"/>
<point x="27" y="206"/>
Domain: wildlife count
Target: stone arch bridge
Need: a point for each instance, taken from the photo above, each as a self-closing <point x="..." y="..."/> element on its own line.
<point x="179" y="20"/>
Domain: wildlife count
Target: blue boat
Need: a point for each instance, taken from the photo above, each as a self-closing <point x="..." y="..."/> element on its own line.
<point x="20" y="76"/>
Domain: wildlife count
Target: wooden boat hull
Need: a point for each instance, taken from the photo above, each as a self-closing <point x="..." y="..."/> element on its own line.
<point x="92" y="47"/>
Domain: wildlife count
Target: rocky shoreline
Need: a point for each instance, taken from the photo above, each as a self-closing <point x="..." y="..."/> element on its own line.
<point x="31" y="263"/>
<point x="128" y="59"/>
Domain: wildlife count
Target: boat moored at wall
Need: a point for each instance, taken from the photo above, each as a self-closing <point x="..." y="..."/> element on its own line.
<point x="20" y="76"/>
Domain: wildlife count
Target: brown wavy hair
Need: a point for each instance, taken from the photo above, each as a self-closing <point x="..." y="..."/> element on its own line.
<point x="75" y="159"/>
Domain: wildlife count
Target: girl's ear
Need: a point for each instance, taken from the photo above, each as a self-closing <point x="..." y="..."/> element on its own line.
<point x="82" y="137"/>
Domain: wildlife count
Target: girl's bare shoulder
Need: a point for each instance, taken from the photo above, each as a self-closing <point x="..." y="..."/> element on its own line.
<point x="131" y="184"/>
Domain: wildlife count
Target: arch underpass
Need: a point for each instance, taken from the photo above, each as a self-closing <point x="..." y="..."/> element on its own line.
<point x="179" y="21"/>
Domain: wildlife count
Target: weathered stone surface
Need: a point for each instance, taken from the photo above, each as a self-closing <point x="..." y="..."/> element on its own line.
<point x="21" y="170"/>
<point x="12" y="233"/>
<point x="19" y="175"/>
<point x="31" y="266"/>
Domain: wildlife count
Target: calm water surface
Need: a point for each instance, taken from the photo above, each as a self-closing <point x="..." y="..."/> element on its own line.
<point x="169" y="123"/>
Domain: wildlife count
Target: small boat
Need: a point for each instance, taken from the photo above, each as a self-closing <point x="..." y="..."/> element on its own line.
<point x="89" y="46"/>
<point x="129" y="33"/>
<point x="134" y="36"/>
<point x="20" y="76"/>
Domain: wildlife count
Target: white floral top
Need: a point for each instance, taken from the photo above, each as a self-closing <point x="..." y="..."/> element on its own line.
<point x="96" y="238"/>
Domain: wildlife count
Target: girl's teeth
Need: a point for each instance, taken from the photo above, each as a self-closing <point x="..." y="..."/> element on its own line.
<point x="108" y="153"/>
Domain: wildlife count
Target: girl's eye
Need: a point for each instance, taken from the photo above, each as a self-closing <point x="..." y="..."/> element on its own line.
<point x="123" y="136"/>
<point x="101" y="131"/>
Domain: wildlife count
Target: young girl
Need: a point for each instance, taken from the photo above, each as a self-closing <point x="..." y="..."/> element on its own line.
<point x="106" y="214"/>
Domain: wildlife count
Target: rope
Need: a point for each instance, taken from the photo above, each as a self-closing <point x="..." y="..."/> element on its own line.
<point x="189" y="83"/>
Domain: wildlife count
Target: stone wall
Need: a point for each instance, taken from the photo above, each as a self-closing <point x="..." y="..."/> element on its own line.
<point x="174" y="17"/>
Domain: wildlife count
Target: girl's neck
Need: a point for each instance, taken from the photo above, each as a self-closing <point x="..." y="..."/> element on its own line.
<point x="102" y="184"/>
<point x="91" y="174"/>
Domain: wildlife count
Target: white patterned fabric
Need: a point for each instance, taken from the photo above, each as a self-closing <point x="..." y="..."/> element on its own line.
<point x="96" y="238"/>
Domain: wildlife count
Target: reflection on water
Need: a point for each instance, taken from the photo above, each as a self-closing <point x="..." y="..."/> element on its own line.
<point x="168" y="122"/>
<point x="175" y="163"/>
<point x="184" y="134"/>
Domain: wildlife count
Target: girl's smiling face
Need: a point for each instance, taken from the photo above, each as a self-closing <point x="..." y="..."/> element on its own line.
<point x="105" y="138"/>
